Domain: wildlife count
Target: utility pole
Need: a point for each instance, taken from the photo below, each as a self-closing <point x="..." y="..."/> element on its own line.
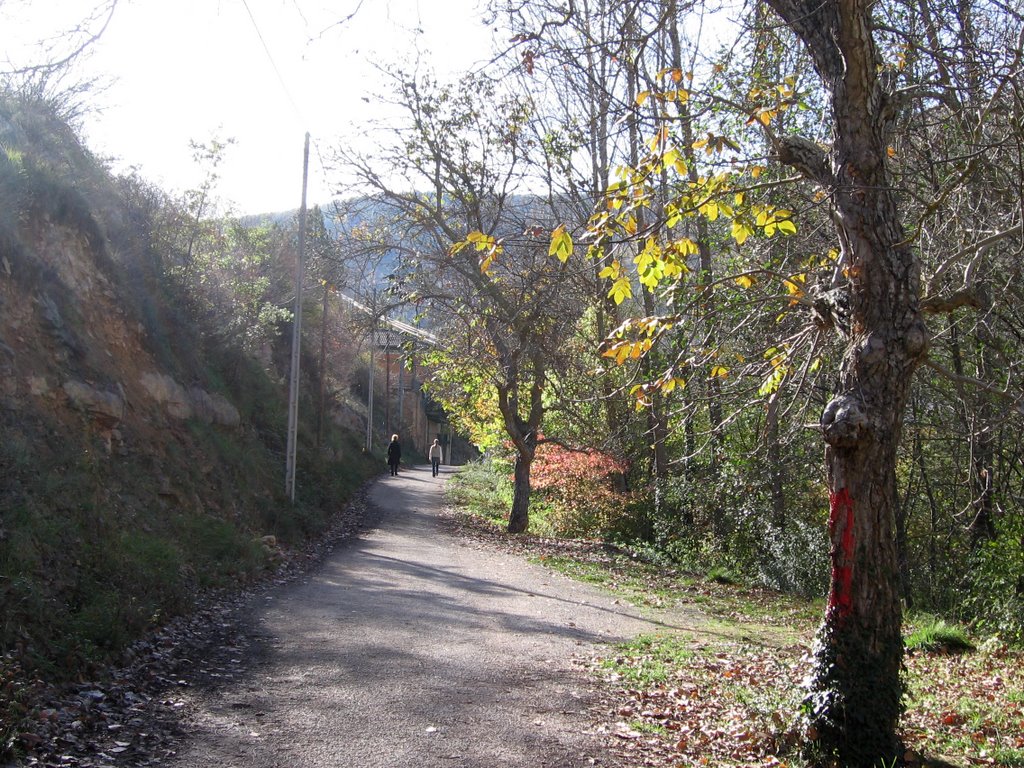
<point x="323" y="366"/>
<point x="401" y="392"/>
<point x="369" y="394"/>
<point x="388" y="426"/>
<point x="293" y="385"/>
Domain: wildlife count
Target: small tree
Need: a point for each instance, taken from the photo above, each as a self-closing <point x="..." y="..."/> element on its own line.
<point x="472" y="253"/>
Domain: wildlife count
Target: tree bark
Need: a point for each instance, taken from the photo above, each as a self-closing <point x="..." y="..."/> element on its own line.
<point x="774" y="450"/>
<point x="855" y="692"/>
<point x="519" y="517"/>
<point x="524" y="432"/>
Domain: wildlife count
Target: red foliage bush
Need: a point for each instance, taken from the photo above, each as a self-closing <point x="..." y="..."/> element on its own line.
<point x="583" y="487"/>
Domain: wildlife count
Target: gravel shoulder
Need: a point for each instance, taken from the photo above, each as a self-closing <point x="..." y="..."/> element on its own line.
<point x="410" y="646"/>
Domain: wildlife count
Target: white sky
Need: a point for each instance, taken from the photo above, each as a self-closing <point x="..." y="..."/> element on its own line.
<point x="195" y="69"/>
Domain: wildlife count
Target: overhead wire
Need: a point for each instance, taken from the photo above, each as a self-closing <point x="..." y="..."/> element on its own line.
<point x="284" y="84"/>
<point x="273" y="63"/>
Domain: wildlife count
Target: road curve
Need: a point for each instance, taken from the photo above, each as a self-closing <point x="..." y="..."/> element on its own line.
<point x="410" y="647"/>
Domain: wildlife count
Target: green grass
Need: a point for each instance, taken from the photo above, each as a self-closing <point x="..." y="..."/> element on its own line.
<point x="649" y="660"/>
<point x="721" y="575"/>
<point x="937" y="636"/>
<point x="481" y="490"/>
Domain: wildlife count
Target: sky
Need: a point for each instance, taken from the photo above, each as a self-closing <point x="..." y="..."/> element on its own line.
<point x="260" y="72"/>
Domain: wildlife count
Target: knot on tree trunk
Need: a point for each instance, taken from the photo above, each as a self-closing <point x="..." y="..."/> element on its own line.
<point x="844" y="423"/>
<point x="915" y="340"/>
<point x="831" y="309"/>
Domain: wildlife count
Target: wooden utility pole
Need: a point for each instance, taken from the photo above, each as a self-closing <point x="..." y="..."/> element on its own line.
<point x="293" y="386"/>
<point x="401" y="393"/>
<point x="388" y="426"/>
<point x="323" y="369"/>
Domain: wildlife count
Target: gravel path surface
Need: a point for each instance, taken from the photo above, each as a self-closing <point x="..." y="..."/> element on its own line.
<point x="409" y="647"/>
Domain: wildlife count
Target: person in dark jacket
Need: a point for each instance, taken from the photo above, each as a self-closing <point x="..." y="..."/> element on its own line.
<point x="394" y="454"/>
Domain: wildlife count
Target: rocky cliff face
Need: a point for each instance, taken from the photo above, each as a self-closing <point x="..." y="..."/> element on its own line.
<point x="72" y="351"/>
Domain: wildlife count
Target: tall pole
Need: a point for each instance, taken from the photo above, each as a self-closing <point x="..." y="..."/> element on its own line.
<point x="323" y="366"/>
<point x="388" y="426"/>
<point x="369" y="387"/>
<point x="401" y="395"/>
<point x="293" y="385"/>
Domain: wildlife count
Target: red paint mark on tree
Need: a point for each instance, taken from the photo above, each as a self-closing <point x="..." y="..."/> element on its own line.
<point x="840" y="531"/>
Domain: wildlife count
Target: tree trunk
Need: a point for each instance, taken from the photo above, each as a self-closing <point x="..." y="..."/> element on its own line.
<point x="983" y="524"/>
<point x="855" y="692"/>
<point x="524" y="433"/>
<point x="519" y="518"/>
<point x="774" y="450"/>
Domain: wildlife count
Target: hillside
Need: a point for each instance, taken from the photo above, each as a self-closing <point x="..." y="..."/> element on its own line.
<point x="142" y="458"/>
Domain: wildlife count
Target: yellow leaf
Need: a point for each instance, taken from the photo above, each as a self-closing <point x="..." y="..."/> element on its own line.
<point x="719" y="372"/>
<point x="561" y="244"/>
<point x="792" y="288"/>
<point x="611" y="271"/>
<point x="745" y="281"/>
<point x="687" y="247"/>
<point x="658" y="139"/>
<point x="621" y="290"/>
<point x="642" y="97"/>
<point x="488" y="259"/>
<point x="740" y="232"/>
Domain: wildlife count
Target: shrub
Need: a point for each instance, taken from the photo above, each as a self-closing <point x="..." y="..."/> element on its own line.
<point x="583" y="489"/>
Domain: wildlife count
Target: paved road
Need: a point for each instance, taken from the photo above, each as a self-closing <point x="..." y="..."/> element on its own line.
<point x="409" y="647"/>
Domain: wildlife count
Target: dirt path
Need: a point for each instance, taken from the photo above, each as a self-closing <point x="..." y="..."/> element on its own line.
<point x="409" y="647"/>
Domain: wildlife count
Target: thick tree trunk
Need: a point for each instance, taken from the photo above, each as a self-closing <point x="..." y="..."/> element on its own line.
<point x="524" y="433"/>
<point x="855" y="693"/>
<point x="519" y="518"/>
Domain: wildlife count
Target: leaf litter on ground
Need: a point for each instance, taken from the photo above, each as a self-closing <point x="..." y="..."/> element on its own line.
<point x="686" y="700"/>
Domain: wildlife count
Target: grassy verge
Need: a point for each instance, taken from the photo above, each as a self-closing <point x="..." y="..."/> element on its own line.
<point x="725" y="691"/>
<point x="95" y="553"/>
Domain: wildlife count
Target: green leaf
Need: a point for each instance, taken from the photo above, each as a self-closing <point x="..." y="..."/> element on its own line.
<point x="561" y="244"/>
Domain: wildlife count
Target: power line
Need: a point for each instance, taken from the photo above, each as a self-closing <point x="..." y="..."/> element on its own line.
<point x="283" y="82"/>
<point x="270" y="58"/>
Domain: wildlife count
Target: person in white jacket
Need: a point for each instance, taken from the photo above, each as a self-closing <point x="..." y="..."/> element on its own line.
<point x="435" y="454"/>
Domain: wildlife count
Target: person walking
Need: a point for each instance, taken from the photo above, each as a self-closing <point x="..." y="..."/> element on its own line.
<point x="394" y="454"/>
<point x="435" y="454"/>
